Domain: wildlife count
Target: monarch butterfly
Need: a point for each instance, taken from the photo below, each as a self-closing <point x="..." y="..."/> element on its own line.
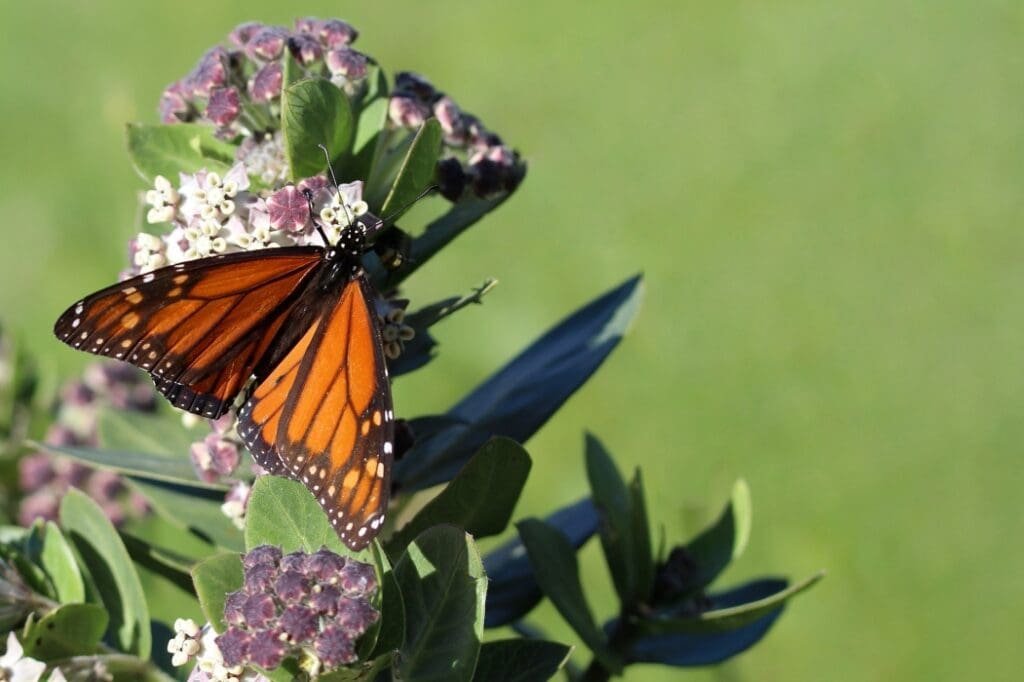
<point x="299" y="320"/>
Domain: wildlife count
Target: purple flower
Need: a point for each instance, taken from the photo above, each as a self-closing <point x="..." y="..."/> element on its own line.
<point x="259" y="609"/>
<point x="266" y="44"/>
<point x="346" y="62"/>
<point x="334" y="646"/>
<point x="305" y="48"/>
<point x="325" y="565"/>
<point x="266" y="83"/>
<point x="40" y="505"/>
<point x="34" y="471"/>
<point x="300" y="622"/>
<point x="260" y="579"/>
<point x="288" y="209"/>
<point x="243" y="33"/>
<point x="214" y="457"/>
<point x="211" y="72"/>
<point x="325" y="600"/>
<point x="175" y="105"/>
<point x="267" y="651"/>
<point x="355" y="614"/>
<point x="224" y="106"/>
<point x="234" y="646"/>
<point x="292" y="586"/>
<point x="307" y="24"/>
<point x="407" y="112"/>
<point x="264" y="555"/>
<point x="234" y="602"/>
<point x="358" y="579"/>
<point x="296" y="561"/>
<point x="103" y="486"/>
<point x="335" y="33"/>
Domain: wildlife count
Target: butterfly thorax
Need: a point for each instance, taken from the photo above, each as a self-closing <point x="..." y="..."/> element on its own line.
<point x="344" y="259"/>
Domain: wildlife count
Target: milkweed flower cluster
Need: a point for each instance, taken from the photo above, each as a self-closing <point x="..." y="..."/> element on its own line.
<point x="311" y="606"/>
<point x="45" y="479"/>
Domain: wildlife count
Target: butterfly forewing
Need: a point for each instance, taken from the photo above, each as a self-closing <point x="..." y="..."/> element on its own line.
<point x="199" y="328"/>
<point x="323" y="414"/>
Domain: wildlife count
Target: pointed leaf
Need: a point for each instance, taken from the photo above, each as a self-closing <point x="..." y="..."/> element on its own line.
<point x="68" y="630"/>
<point x="710" y="648"/>
<point x="553" y="559"/>
<point x="214" y="578"/>
<point x="512" y="589"/>
<point x="180" y="148"/>
<point x="58" y="560"/>
<point x="111" y="570"/>
<point x="520" y="660"/>
<point x="723" y="541"/>
<point x="726" y="618"/>
<point x="444" y="588"/>
<point x="371" y="119"/>
<point x="417" y="169"/>
<point x="192" y="508"/>
<point x="480" y="499"/>
<point x="518" y="399"/>
<point x="314" y="112"/>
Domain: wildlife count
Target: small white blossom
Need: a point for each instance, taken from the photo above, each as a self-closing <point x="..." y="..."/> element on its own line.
<point x="148" y="253"/>
<point x="210" y="197"/>
<point x="339" y="208"/>
<point x="266" y="160"/>
<point x="211" y="662"/>
<point x="185" y="643"/>
<point x="234" y="504"/>
<point x="163" y="199"/>
<point x="15" y="666"/>
<point x="394" y="332"/>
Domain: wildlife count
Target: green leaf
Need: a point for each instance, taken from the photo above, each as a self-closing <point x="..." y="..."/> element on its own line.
<point x="152" y="446"/>
<point x="718" y="545"/>
<point x="625" y="538"/>
<point x="191" y="508"/>
<point x="314" y="112"/>
<point x="481" y="497"/>
<point x="179" y="148"/>
<point x="557" y="572"/>
<point x="111" y="570"/>
<point x="725" y="619"/>
<point x="372" y="116"/>
<point x="58" y="560"/>
<point x="520" y="660"/>
<point x="68" y="630"/>
<point x="417" y="170"/>
<point x="444" y="588"/>
<point x="291" y="71"/>
<point x="214" y="578"/>
<point x="282" y="512"/>
<point x="391" y="626"/>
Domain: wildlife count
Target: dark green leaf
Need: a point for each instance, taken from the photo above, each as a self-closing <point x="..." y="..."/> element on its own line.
<point x="68" y="630"/>
<point x="444" y="588"/>
<point x="192" y="508"/>
<point x="417" y="170"/>
<point x="723" y="541"/>
<point x="361" y="672"/>
<point x="727" y="618"/>
<point x="314" y="112"/>
<point x="640" y="543"/>
<point x="480" y="499"/>
<point x="520" y="660"/>
<point x="518" y="399"/>
<point x="180" y="148"/>
<point x="553" y="559"/>
<point x="282" y="512"/>
<point x="111" y="570"/>
<point x="58" y="560"/>
<point x="214" y="578"/>
<point x="291" y="71"/>
<point x="512" y="590"/>
<point x="391" y="632"/>
<point x="709" y="648"/>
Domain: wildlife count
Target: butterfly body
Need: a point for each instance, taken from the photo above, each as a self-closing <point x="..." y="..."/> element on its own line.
<point x="293" y="328"/>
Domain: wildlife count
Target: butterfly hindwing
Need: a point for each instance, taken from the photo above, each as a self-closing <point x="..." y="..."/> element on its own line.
<point x="323" y="414"/>
<point x="199" y="328"/>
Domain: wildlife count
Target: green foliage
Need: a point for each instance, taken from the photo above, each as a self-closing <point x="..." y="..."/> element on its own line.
<point x="214" y="578"/>
<point x="443" y="584"/>
<point x="314" y="112"/>
<point x="169" y="150"/>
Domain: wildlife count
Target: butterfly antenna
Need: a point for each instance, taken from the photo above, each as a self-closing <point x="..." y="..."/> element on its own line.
<point x="312" y="216"/>
<point x="334" y="179"/>
<point x="409" y="205"/>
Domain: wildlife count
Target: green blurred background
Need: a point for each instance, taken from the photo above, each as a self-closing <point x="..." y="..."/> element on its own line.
<point x="825" y="201"/>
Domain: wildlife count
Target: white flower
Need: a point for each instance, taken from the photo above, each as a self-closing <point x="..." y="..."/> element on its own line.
<point x="185" y="643"/>
<point x="16" y="667"/>
<point x="211" y="662"/>
<point x="338" y="209"/>
<point x="148" y="253"/>
<point x="265" y="159"/>
<point x="164" y="201"/>
<point x="210" y="197"/>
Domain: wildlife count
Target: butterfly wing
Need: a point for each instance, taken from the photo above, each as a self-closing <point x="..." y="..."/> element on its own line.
<point x="199" y="328"/>
<point x="323" y="414"/>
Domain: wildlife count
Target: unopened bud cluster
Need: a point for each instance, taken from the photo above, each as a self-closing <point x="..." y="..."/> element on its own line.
<point x="303" y="605"/>
<point x="474" y="158"/>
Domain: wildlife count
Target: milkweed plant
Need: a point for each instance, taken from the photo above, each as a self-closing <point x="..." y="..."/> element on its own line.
<point x="141" y="544"/>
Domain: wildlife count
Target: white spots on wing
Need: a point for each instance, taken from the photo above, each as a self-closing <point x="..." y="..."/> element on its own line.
<point x="85" y="335"/>
<point x="75" y="323"/>
<point x="349" y="526"/>
<point x="380" y="469"/>
<point x="148" y="278"/>
<point x="331" y="491"/>
<point x="312" y="470"/>
<point x="362" y="531"/>
<point x="79" y="308"/>
<point x="388" y="448"/>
